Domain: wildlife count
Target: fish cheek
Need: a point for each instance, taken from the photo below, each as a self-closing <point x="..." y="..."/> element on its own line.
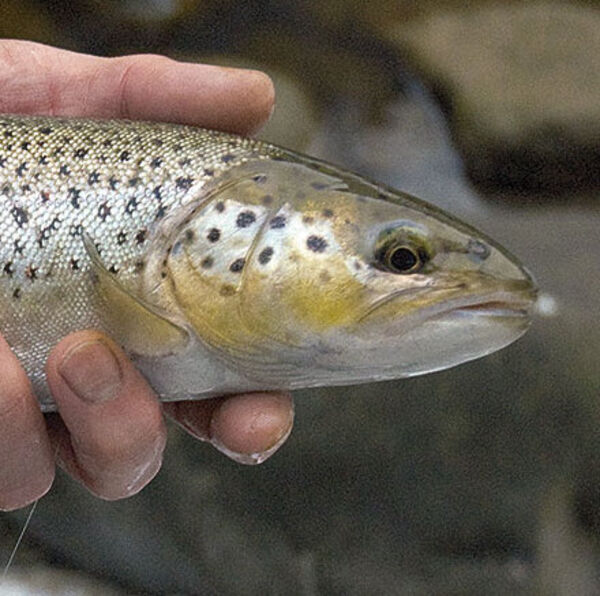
<point x="303" y="299"/>
<point x="210" y="305"/>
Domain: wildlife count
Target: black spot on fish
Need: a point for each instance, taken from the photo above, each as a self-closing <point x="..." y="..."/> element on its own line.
<point x="131" y="206"/>
<point x="31" y="272"/>
<point x="66" y="140"/>
<point x="265" y="255"/>
<point x="113" y="183"/>
<point x="139" y="266"/>
<point x="316" y="243"/>
<point x="104" y="211"/>
<point x="220" y="206"/>
<point x="189" y="236"/>
<point x="158" y="142"/>
<point x="80" y="153"/>
<point x="43" y="160"/>
<point x="2" y="162"/>
<point x="18" y="247"/>
<point x="75" y="230"/>
<point x="25" y="188"/>
<point x="140" y="237"/>
<point x="93" y="178"/>
<point x="74" y="194"/>
<point x="25" y="145"/>
<point x="74" y="265"/>
<point x="259" y="178"/>
<point x="237" y="265"/>
<point x="177" y="148"/>
<point x="157" y="192"/>
<point x="156" y="162"/>
<point x="17" y="293"/>
<point x="184" y="183"/>
<point x="227" y="290"/>
<point x="46" y="130"/>
<point x="325" y="276"/>
<point x="307" y="219"/>
<point x="121" y="238"/>
<point x="113" y="269"/>
<point x="160" y="212"/>
<point x="228" y="157"/>
<point x="133" y="182"/>
<point x="21" y="216"/>
<point x="278" y="222"/>
<point x="45" y="196"/>
<point x="207" y="262"/>
<point x="327" y="213"/>
<point x="64" y="170"/>
<point x="21" y="169"/>
<point x="46" y="232"/>
<point x="209" y="172"/>
<point x="107" y="143"/>
<point x="124" y="156"/>
<point x="245" y="219"/>
<point x="213" y="235"/>
<point x="8" y="134"/>
<point x="184" y="162"/>
<point x="8" y="269"/>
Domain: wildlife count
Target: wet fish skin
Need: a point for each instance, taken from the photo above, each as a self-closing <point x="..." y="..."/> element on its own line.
<point x="226" y="264"/>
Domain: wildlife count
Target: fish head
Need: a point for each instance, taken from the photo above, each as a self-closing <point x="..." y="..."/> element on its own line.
<point x="301" y="275"/>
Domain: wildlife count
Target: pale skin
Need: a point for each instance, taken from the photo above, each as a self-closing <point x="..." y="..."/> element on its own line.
<point x="110" y="432"/>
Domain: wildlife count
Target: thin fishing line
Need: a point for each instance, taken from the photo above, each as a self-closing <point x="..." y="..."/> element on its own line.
<point x="19" y="540"/>
<point x="23" y="529"/>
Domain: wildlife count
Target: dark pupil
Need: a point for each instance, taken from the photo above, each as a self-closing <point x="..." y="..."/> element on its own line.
<point x="403" y="259"/>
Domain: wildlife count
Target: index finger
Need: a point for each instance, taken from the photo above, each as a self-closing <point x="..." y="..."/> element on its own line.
<point x="39" y="79"/>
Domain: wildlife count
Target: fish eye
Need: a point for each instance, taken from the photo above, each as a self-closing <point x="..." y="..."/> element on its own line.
<point x="401" y="253"/>
<point x="403" y="259"/>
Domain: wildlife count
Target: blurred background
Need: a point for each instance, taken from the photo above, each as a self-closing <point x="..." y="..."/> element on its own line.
<point x="484" y="479"/>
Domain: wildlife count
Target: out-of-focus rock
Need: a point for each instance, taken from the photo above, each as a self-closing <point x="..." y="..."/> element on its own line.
<point x="522" y="82"/>
<point x="294" y="120"/>
<point x="23" y="19"/>
<point x="54" y="582"/>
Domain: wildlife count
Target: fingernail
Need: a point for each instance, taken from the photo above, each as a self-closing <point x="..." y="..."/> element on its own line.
<point x="252" y="459"/>
<point x="92" y="371"/>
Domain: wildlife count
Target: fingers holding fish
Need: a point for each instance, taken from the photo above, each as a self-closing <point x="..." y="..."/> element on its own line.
<point x="38" y="79"/>
<point x="248" y="428"/>
<point x="114" y="433"/>
<point x="27" y="464"/>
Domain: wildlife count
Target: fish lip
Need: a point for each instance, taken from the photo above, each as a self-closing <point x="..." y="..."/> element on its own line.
<point x="515" y="298"/>
<point x="503" y="304"/>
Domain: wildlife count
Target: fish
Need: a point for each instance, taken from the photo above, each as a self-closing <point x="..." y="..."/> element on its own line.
<point x="225" y="264"/>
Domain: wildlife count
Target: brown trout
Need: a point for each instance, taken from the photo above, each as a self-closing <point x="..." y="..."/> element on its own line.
<point x="225" y="264"/>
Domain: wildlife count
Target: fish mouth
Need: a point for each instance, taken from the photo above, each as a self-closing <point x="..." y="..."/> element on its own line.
<point x="515" y="302"/>
<point x="506" y="301"/>
<point x="518" y="307"/>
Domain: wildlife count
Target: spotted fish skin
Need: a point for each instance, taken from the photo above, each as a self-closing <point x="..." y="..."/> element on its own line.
<point x="223" y="264"/>
<point x="111" y="180"/>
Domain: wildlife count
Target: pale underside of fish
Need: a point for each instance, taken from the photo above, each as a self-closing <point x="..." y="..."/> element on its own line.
<point x="224" y="264"/>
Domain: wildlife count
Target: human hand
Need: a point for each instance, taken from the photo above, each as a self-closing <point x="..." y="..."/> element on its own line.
<point x="114" y="446"/>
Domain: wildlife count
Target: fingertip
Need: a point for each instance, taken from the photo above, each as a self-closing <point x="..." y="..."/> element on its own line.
<point x="250" y="428"/>
<point x="27" y="464"/>
<point x="116" y="432"/>
<point x="264" y="100"/>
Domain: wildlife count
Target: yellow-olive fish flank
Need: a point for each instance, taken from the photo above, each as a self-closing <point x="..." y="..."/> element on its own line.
<point x="225" y="264"/>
